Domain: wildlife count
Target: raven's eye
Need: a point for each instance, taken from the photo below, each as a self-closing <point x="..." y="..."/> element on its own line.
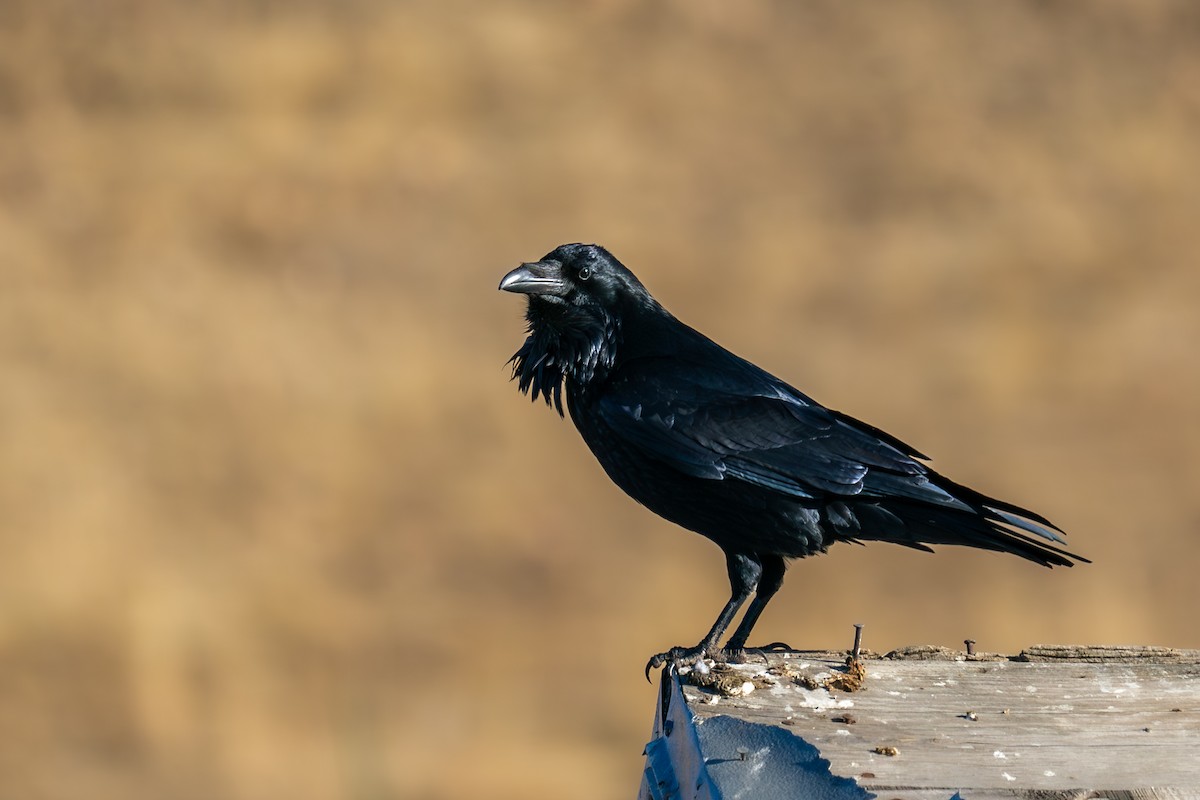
<point x="585" y="273"/>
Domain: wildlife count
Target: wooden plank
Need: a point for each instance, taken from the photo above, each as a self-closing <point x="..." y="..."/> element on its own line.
<point x="1058" y="721"/>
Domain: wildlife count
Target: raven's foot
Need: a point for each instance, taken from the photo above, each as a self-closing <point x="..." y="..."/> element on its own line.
<point x="761" y="652"/>
<point x="688" y="656"/>
<point x="678" y="657"/>
<point x="739" y="654"/>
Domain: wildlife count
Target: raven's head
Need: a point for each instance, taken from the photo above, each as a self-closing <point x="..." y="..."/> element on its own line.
<point x="585" y="276"/>
<point x="578" y="295"/>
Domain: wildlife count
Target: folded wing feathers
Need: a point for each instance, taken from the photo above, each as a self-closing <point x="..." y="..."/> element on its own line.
<point x="789" y="445"/>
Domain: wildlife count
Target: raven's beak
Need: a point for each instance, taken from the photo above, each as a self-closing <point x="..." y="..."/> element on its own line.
<point x="536" y="277"/>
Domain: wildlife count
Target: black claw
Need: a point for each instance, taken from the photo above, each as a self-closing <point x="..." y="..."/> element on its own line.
<point x="738" y="655"/>
<point x="657" y="661"/>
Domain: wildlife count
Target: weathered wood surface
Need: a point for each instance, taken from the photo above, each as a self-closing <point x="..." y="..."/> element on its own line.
<point x="1051" y="722"/>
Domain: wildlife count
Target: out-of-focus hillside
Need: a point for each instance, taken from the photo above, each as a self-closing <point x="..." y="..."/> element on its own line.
<point x="274" y="524"/>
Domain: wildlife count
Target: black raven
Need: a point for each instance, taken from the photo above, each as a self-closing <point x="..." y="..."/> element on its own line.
<point x="711" y="442"/>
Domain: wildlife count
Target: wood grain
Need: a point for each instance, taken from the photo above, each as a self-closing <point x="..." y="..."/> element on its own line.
<point x="1052" y="722"/>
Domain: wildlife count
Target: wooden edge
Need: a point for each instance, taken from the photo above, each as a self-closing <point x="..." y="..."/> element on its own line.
<point x="1045" y="653"/>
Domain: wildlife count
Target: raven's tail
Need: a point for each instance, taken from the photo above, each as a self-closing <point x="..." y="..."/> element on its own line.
<point x="976" y="520"/>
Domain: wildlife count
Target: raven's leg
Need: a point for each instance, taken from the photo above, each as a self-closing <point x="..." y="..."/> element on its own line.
<point x="773" y="569"/>
<point x="745" y="570"/>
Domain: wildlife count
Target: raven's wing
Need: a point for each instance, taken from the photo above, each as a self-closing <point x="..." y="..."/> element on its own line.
<point x="726" y="419"/>
<point x="743" y="424"/>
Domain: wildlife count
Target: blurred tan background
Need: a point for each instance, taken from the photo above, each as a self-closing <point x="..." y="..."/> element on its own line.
<point x="273" y="523"/>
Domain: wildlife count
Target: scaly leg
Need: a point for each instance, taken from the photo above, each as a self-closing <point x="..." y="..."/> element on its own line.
<point x="745" y="570"/>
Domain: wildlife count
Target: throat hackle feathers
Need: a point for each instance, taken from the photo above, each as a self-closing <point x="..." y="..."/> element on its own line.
<point x="560" y="347"/>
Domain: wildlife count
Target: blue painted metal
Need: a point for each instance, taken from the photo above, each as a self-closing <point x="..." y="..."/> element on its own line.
<point x="674" y="760"/>
<point x="722" y="757"/>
